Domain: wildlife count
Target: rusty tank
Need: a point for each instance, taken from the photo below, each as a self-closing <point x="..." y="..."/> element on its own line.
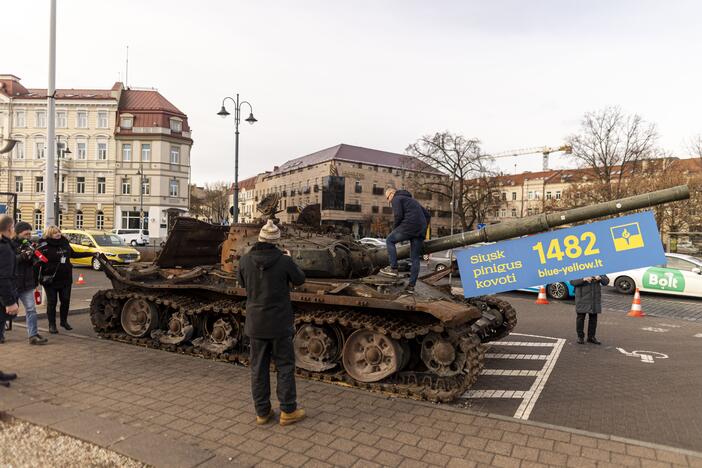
<point x="354" y="326"/>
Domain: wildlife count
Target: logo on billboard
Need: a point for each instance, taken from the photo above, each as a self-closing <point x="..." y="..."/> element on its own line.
<point x="664" y="279"/>
<point x="627" y="237"/>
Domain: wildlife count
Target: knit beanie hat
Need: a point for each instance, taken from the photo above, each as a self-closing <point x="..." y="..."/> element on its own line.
<point x="22" y="226"/>
<point x="269" y="233"/>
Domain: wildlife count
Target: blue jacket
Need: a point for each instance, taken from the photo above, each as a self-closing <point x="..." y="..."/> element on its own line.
<point x="411" y="218"/>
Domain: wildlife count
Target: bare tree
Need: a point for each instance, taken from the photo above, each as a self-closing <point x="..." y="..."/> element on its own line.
<point x="210" y="202"/>
<point x="694" y="145"/>
<point x="612" y="144"/>
<point x="466" y="178"/>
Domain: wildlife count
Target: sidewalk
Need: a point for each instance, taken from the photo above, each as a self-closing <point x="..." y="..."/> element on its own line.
<point x="174" y="410"/>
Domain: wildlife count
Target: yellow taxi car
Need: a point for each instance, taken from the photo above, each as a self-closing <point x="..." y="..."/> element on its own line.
<point x="111" y="245"/>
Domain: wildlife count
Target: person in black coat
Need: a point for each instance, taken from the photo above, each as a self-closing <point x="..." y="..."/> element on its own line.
<point x="588" y="301"/>
<point x="57" y="275"/>
<point x="8" y="291"/>
<point x="26" y="282"/>
<point x="267" y="272"/>
<point x="411" y="221"/>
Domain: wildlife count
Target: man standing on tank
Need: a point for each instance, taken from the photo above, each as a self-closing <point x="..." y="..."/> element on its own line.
<point x="588" y="300"/>
<point x="267" y="272"/>
<point x="411" y="221"/>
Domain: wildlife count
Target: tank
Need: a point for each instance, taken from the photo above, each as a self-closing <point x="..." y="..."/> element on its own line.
<point x="354" y="327"/>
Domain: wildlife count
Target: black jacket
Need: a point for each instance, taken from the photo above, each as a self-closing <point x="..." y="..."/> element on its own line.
<point x="8" y="269"/>
<point x="411" y="218"/>
<point x="59" y="271"/>
<point x="588" y="296"/>
<point x="26" y="271"/>
<point x="266" y="274"/>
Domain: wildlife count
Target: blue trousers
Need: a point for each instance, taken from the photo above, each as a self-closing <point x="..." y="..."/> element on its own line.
<point x="416" y="244"/>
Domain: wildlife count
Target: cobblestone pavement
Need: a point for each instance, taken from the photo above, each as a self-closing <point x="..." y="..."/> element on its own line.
<point x="659" y="305"/>
<point x="167" y="404"/>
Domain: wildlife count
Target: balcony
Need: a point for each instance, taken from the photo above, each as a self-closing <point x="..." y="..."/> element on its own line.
<point x="378" y="191"/>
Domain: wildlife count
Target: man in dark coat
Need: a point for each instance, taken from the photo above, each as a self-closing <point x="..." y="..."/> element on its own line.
<point x="411" y="221"/>
<point x="8" y="291"/>
<point x="588" y="300"/>
<point x="267" y="272"/>
<point x="27" y="279"/>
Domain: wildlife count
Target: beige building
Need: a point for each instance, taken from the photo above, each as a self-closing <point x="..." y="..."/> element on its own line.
<point x="114" y="136"/>
<point x="348" y="182"/>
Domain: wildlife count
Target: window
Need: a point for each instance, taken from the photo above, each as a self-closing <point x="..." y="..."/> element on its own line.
<point x="82" y="119"/>
<point x="503" y="213"/>
<point x="19" y="184"/>
<point x="63" y="183"/>
<point x="19" y="150"/>
<point x="82" y="150"/>
<point x="176" y="125"/>
<point x="126" y="152"/>
<point x="101" y="185"/>
<point x="504" y="196"/>
<point x="100" y="221"/>
<point x="39" y="150"/>
<point x="175" y="155"/>
<point x="537" y="195"/>
<point x="531" y="195"/>
<point x="514" y="212"/>
<point x="145" y="152"/>
<point x="530" y="212"/>
<point x="102" y="119"/>
<point x="38" y="219"/>
<point x="173" y="188"/>
<point x="146" y="186"/>
<point x="126" y="186"/>
<point x="558" y="194"/>
<point x="102" y="150"/>
<point x="514" y="196"/>
<point x="679" y="264"/>
<point x="80" y="184"/>
<point x="20" y="119"/>
<point x="358" y="188"/>
<point x="41" y="119"/>
<point x="374" y="209"/>
<point x="39" y="184"/>
<point x="19" y="215"/>
<point x="61" y="119"/>
<point x="79" y="220"/>
<point x="130" y="220"/>
<point x="126" y="123"/>
<point x="333" y="193"/>
<point x="60" y="150"/>
<point x="548" y="195"/>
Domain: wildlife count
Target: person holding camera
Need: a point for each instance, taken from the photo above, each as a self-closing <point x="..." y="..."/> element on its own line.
<point x="588" y="301"/>
<point x="57" y="274"/>
<point x="26" y="279"/>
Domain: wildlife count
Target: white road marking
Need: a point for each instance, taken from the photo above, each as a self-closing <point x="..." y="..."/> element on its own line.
<point x="655" y="329"/>
<point x="646" y="356"/>
<point x="669" y="325"/>
<point x="521" y="357"/>
<point x="531" y="396"/>
<point x="699" y="335"/>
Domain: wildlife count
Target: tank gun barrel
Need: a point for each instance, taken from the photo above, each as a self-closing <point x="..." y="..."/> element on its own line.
<point x="545" y="221"/>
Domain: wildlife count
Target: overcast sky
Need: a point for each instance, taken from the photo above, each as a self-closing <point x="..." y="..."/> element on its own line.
<point x="376" y="73"/>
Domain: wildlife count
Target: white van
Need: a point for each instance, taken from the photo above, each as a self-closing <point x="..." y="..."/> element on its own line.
<point x="133" y="237"/>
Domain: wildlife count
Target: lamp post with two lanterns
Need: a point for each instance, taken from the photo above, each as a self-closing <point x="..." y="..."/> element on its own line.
<point x="237" y="118"/>
<point x="61" y="150"/>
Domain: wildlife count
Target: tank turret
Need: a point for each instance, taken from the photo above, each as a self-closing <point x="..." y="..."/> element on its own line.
<point x="353" y="327"/>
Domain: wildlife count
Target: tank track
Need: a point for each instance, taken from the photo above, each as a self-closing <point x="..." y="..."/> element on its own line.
<point x="105" y="316"/>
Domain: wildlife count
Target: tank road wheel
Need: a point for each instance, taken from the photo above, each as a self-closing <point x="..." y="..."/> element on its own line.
<point x="220" y="335"/>
<point x="179" y="330"/>
<point x="317" y="348"/>
<point x="104" y="313"/>
<point x="139" y="317"/>
<point x="369" y="356"/>
<point x="441" y="355"/>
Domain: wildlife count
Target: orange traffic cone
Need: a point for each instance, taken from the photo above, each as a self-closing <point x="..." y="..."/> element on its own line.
<point x="636" y="310"/>
<point x="542" y="296"/>
<point x="81" y="280"/>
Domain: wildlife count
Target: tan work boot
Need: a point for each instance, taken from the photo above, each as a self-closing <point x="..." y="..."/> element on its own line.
<point x="291" y="418"/>
<point x="260" y="420"/>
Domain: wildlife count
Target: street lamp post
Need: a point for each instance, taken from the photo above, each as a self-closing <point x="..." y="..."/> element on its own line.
<point x="61" y="153"/>
<point x="237" y="118"/>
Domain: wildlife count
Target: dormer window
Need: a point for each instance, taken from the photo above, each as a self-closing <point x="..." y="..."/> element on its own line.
<point x="176" y="125"/>
<point x="126" y="122"/>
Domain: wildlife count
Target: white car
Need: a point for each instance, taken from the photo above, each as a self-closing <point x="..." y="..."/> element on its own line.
<point x="373" y="242"/>
<point x="681" y="275"/>
<point x="133" y="237"/>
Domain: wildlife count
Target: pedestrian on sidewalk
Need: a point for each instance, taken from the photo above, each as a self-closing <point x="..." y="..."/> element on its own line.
<point x="267" y="272"/>
<point x="588" y="301"/>
<point x="27" y="279"/>
<point x="8" y="291"/>
<point x="411" y="221"/>
<point x="57" y="275"/>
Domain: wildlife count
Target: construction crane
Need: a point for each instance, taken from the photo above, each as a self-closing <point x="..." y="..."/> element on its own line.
<point x="544" y="150"/>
